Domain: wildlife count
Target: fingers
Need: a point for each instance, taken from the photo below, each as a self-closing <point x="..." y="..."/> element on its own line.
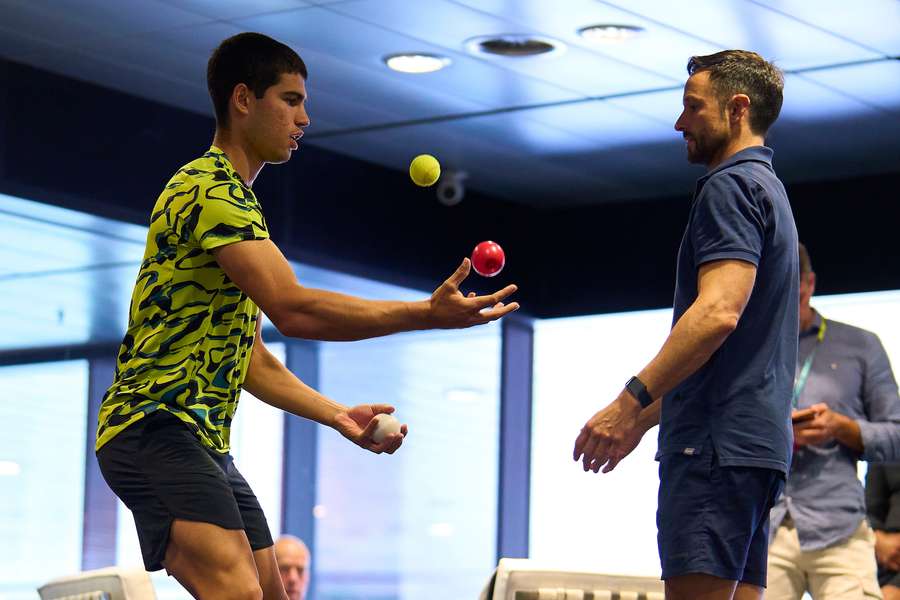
<point x="391" y="443"/>
<point x="382" y="409"/>
<point x="593" y="446"/>
<point x="499" y="311"/>
<point x="460" y="274"/>
<point x="580" y="441"/>
<point x="496" y="297"/>
<point x="369" y="431"/>
<point x="613" y="461"/>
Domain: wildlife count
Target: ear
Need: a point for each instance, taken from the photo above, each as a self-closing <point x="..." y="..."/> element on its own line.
<point x="240" y="98"/>
<point x="738" y="107"/>
<point x="812" y="283"/>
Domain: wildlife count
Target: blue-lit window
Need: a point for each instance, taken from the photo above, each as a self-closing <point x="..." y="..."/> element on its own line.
<point x="43" y="418"/>
<point x="420" y="523"/>
<point x="580" y="365"/>
<point x="256" y="444"/>
<point x="605" y="523"/>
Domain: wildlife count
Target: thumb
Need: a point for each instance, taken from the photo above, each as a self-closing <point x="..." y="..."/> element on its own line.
<point x="461" y="273"/>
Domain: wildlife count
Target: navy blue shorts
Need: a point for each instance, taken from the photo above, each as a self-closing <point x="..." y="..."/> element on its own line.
<point x="162" y="472"/>
<point x="713" y="519"/>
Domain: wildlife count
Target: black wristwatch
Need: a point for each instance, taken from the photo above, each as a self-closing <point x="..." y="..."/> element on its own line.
<point x="637" y="389"/>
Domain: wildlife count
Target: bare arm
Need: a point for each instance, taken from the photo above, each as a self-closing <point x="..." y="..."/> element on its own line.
<point x="272" y="382"/>
<point x="724" y="288"/>
<point x="261" y="271"/>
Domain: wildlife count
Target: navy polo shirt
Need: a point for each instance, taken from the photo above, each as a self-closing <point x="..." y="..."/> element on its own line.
<point x="740" y="400"/>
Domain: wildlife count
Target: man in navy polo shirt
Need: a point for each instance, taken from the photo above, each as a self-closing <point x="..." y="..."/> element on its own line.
<point x="720" y="387"/>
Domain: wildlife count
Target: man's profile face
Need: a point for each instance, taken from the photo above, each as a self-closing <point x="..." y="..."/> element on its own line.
<point x="277" y="120"/>
<point x="703" y="121"/>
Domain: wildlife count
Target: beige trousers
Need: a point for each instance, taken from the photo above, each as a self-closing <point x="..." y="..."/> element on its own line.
<point x="843" y="571"/>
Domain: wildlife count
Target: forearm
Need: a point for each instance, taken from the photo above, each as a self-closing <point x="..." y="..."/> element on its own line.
<point x="700" y="331"/>
<point x="323" y="315"/>
<point x="274" y="384"/>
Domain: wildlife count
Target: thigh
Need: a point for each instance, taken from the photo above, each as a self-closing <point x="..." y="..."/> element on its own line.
<point x="846" y="570"/>
<point x="269" y="576"/>
<point x="785" y="580"/>
<point x="699" y="586"/>
<point x="211" y="562"/>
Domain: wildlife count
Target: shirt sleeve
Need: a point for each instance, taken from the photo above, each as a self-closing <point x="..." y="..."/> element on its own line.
<point x="225" y="213"/>
<point x="881" y="429"/>
<point x="877" y="496"/>
<point x="729" y="220"/>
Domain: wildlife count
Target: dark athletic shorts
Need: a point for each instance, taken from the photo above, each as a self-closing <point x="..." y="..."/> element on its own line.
<point x="162" y="472"/>
<point x="712" y="519"/>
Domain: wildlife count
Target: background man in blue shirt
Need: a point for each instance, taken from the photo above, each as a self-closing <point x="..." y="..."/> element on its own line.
<point x="720" y="387"/>
<point x="846" y="409"/>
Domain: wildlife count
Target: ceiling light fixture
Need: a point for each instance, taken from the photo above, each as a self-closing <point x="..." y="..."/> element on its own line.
<point x="514" y="45"/>
<point x="416" y="63"/>
<point x="609" y="34"/>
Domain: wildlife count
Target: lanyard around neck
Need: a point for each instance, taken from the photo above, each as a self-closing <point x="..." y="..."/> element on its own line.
<point x="800" y="381"/>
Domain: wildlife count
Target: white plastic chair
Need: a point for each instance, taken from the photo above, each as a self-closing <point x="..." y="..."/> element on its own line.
<point x="111" y="583"/>
<point x="524" y="579"/>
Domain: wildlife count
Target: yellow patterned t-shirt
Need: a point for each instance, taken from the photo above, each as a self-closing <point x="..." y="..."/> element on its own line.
<point x="190" y="328"/>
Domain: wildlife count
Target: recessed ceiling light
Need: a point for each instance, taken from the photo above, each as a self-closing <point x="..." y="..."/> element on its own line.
<point x="416" y="63"/>
<point x="514" y="45"/>
<point x="609" y="34"/>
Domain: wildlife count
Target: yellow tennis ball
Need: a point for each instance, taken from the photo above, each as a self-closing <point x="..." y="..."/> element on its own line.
<point x="424" y="170"/>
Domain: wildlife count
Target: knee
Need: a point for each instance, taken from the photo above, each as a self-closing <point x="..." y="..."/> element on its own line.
<point x="244" y="590"/>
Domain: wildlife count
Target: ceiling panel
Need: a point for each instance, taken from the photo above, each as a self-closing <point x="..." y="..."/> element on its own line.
<point x="573" y="68"/>
<point x="217" y="9"/>
<point x="603" y="124"/>
<point x="139" y="52"/>
<point x="523" y="128"/>
<point x="741" y="24"/>
<point x="642" y="51"/>
<point x="364" y="45"/>
<point x="874" y="84"/>
<point x="356" y="95"/>
<point x="661" y="107"/>
<point x="806" y="100"/>
<point x="462" y="146"/>
<point x="74" y="22"/>
<point x="857" y="21"/>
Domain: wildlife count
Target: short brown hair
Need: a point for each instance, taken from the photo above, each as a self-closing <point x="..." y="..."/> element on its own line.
<point x="741" y="72"/>
<point x="253" y="59"/>
<point x="805" y="263"/>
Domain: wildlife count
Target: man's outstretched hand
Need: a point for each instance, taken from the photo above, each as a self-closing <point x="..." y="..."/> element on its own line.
<point x="450" y="309"/>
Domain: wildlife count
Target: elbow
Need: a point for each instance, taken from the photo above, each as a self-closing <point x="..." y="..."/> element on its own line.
<point x="729" y="321"/>
<point x="725" y="322"/>
<point x="297" y="324"/>
<point x="291" y="325"/>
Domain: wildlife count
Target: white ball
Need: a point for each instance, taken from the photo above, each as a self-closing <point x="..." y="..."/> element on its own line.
<point x="385" y="425"/>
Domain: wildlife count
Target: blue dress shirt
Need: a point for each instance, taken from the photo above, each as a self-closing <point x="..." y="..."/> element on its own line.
<point x="852" y="375"/>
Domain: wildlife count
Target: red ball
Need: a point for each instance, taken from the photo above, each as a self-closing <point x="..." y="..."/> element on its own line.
<point x="488" y="259"/>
